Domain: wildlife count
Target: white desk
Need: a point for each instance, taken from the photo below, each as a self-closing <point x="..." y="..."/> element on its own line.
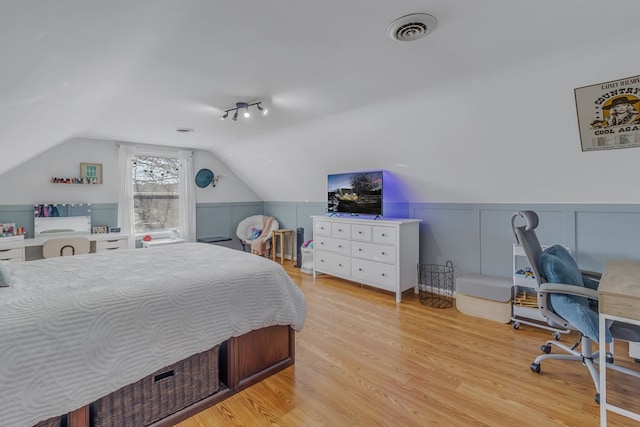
<point x="15" y="250"/>
<point x="106" y="237"/>
<point x="619" y="300"/>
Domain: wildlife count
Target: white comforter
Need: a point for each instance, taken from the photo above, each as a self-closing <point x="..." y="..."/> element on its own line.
<point x="74" y="329"/>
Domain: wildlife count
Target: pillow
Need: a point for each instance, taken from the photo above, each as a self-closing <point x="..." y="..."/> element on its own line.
<point x="558" y="266"/>
<point x="255" y="233"/>
<point x="5" y="275"/>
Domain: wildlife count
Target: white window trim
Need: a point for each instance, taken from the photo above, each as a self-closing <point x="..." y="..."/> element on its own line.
<point x="187" y="226"/>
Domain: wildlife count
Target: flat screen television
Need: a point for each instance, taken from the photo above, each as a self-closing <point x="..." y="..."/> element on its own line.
<point x="355" y="193"/>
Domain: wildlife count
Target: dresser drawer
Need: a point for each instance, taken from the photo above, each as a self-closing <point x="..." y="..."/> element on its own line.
<point x="334" y="245"/>
<point x="340" y="229"/>
<point x="322" y="228"/>
<point x="380" y="274"/>
<point x="361" y="232"/>
<point x="110" y="245"/>
<point x="332" y="263"/>
<point x="14" y="254"/>
<point x="384" y="235"/>
<point x="383" y="253"/>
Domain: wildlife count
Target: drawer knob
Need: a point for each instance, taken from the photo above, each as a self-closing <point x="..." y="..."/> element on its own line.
<point x="359" y="269"/>
<point x="383" y="275"/>
<point x="340" y="229"/>
<point x="383" y="253"/>
<point x="359" y="232"/>
<point x="322" y="243"/>
<point x="359" y="249"/>
<point x="339" y="265"/>
<point x="340" y="246"/>
<point x="383" y="235"/>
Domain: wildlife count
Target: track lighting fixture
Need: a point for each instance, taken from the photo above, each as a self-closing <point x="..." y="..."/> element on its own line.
<point x="245" y="110"/>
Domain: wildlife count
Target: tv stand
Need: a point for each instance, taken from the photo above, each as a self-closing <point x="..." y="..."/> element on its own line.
<point x="377" y="217"/>
<point x="333" y="214"/>
<point x="382" y="254"/>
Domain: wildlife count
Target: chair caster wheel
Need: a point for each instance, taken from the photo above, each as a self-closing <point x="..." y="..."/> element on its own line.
<point x="546" y="349"/>
<point x="610" y="359"/>
<point x="597" y="398"/>
<point x="556" y="336"/>
<point x="516" y="325"/>
<point x="535" y="367"/>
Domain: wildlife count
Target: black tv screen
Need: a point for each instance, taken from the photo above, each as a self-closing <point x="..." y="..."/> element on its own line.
<point x="355" y="193"/>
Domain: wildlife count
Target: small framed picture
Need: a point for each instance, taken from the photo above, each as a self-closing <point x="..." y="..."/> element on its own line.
<point x="114" y="230"/>
<point x="91" y="173"/>
<point x="101" y="229"/>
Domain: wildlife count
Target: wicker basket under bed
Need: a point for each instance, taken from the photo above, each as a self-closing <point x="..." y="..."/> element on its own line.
<point x="160" y="394"/>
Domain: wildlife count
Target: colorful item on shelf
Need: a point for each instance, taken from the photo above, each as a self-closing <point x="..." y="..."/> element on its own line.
<point x="527" y="272"/>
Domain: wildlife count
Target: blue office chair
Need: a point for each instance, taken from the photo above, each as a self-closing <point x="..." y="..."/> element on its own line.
<point x="567" y="298"/>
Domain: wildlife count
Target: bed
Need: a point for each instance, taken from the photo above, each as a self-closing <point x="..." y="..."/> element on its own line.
<point x="76" y="329"/>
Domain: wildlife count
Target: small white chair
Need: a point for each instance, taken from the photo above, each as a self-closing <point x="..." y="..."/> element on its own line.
<point x="65" y="246"/>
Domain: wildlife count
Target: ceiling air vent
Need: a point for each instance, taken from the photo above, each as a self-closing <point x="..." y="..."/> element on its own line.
<point x="411" y="27"/>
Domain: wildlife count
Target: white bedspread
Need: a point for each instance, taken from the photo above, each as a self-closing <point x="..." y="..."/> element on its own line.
<point x="74" y="329"/>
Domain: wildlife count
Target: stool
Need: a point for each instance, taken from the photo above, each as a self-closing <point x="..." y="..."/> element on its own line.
<point x="282" y="235"/>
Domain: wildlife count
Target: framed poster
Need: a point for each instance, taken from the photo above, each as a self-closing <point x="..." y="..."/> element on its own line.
<point x="91" y="173"/>
<point x="609" y="114"/>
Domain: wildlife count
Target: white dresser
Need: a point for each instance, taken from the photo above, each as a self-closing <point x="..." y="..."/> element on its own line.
<point x="380" y="253"/>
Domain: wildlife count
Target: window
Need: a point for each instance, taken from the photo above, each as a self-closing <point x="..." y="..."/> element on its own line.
<point x="156" y="193"/>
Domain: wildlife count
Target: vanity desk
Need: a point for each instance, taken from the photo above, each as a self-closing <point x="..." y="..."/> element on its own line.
<point x="98" y="242"/>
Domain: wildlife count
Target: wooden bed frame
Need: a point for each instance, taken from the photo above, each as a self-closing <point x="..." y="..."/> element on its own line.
<point x="244" y="361"/>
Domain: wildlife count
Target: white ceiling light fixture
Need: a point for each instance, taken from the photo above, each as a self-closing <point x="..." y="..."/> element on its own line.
<point x="412" y="27"/>
<point x="244" y="107"/>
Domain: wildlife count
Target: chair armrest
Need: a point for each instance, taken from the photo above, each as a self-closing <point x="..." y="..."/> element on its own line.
<point x="591" y="274"/>
<point x="561" y="288"/>
<point x="591" y="279"/>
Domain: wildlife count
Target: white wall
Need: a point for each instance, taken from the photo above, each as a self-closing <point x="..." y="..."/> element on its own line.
<point x="29" y="182"/>
<point x="509" y="137"/>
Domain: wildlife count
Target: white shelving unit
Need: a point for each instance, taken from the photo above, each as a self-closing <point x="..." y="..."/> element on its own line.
<point x="527" y="315"/>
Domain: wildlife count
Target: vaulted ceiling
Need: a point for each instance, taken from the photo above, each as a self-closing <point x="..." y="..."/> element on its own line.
<point x="135" y="70"/>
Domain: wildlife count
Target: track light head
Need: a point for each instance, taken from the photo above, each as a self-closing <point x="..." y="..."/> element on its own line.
<point x="261" y="109"/>
<point x="235" y="116"/>
<point x="225" y="115"/>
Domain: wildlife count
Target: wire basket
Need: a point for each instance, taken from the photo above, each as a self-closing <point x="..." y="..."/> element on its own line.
<point x="435" y="284"/>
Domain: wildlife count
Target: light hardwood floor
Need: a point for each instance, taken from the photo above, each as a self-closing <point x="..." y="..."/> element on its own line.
<point x="363" y="360"/>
